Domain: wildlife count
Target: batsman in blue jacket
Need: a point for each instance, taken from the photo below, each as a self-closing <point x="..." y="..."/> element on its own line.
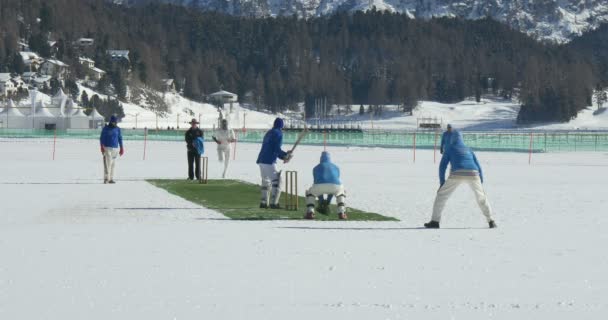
<point x="326" y="182"/>
<point x="464" y="169"/>
<point x="267" y="159"/>
<point x="110" y="142"/>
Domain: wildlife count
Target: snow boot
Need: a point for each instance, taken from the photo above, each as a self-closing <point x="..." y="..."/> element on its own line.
<point x="105" y="181"/>
<point x="432" y="225"/>
<point x="111" y="182"/>
<point x="275" y="206"/>
<point x="492" y="224"/>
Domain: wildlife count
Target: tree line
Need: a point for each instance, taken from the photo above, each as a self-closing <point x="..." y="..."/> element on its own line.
<point x="373" y="57"/>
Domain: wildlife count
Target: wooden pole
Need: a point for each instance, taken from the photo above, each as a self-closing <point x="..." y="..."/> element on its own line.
<point x="145" y="141"/>
<point x="236" y="138"/>
<point x="530" y="153"/>
<point x="435" y="148"/>
<point x="54" y="142"/>
<point x="414" y="147"/>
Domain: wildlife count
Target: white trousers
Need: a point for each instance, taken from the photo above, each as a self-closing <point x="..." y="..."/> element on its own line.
<point x="271" y="183"/>
<point x="223" y="154"/>
<point x="317" y="190"/>
<point x="443" y="194"/>
<point x="109" y="159"/>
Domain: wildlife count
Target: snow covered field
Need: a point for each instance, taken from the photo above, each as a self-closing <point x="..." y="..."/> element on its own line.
<point x="73" y="248"/>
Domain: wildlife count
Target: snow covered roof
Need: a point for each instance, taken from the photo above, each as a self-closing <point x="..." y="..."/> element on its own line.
<point x="85" y="59"/>
<point x="11" y="111"/>
<point x="57" y="63"/>
<point x="167" y="82"/>
<point x="96" y="116"/>
<point x="42" y="79"/>
<point x="225" y="95"/>
<point x="97" y="70"/>
<point x="28" y="56"/>
<point x="119" y="53"/>
<point x="79" y="114"/>
<point x="42" y="112"/>
<point x="4" y="77"/>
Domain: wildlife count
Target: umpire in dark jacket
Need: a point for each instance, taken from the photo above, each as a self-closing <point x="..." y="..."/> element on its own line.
<point x="194" y="159"/>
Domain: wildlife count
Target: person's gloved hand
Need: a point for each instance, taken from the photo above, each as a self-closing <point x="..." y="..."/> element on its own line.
<point x="122" y="151"/>
<point x="102" y="149"/>
<point x="288" y="157"/>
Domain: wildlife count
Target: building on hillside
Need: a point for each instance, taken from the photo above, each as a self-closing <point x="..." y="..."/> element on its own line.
<point x="168" y="85"/>
<point x="118" y="55"/>
<point x="31" y="60"/>
<point x="91" y="71"/>
<point x="55" y="69"/>
<point x="221" y="97"/>
<point x="84" y="42"/>
<point x="7" y="87"/>
<point x="19" y="83"/>
<point x="40" y="81"/>
<point x="28" y="77"/>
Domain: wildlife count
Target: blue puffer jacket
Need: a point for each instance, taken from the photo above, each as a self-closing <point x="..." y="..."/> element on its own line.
<point x="459" y="156"/>
<point x="446" y="137"/>
<point x="271" y="146"/>
<point x="326" y="171"/>
<point x="111" y="136"/>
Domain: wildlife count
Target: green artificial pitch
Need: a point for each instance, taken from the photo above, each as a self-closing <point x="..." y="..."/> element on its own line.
<point x="240" y="201"/>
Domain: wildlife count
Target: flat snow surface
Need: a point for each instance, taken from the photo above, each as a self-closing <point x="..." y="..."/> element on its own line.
<point x="73" y="248"/>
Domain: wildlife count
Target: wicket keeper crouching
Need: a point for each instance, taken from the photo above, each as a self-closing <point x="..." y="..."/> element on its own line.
<point x="326" y="182"/>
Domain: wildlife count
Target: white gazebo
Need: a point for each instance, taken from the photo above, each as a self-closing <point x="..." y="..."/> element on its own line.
<point x="11" y="117"/>
<point x="96" y="120"/>
<point x="42" y="118"/>
<point x="78" y="119"/>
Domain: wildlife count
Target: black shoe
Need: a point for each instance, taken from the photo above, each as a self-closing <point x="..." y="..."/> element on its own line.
<point x="275" y="206"/>
<point x="432" y="225"/>
<point x="111" y="182"/>
<point x="492" y="224"/>
<point x="263" y="206"/>
<point x="190" y="179"/>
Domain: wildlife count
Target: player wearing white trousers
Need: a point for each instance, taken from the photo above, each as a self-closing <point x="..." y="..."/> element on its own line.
<point x="224" y="137"/>
<point x="451" y="184"/>
<point x="109" y="160"/>
<point x="317" y="190"/>
<point x="271" y="184"/>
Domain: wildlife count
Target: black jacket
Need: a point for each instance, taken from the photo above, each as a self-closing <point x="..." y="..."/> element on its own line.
<point x="191" y="135"/>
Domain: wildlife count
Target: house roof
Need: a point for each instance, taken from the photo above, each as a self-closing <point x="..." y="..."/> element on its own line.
<point x="96" y="116"/>
<point x="28" y="56"/>
<point x="97" y="70"/>
<point x="119" y="53"/>
<point x="57" y="62"/>
<point x="42" y="79"/>
<point x="4" y="77"/>
<point x="85" y="59"/>
<point x="167" y="82"/>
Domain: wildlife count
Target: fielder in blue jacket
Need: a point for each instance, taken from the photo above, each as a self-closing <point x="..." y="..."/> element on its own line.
<point x="110" y="142"/>
<point x="464" y="169"/>
<point x="446" y="137"/>
<point x="267" y="159"/>
<point x="326" y="177"/>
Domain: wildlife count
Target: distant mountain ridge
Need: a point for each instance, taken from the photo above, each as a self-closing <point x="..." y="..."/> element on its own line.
<point x="555" y="20"/>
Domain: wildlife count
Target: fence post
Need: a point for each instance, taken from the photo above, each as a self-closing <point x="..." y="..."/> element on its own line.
<point x="324" y="140"/>
<point x="414" y="147"/>
<point x="530" y="153"/>
<point x="596" y="141"/>
<point x="145" y="141"/>
<point x="545" y="141"/>
<point x="54" y="142"/>
<point x="435" y="148"/>
<point x="236" y="138"/>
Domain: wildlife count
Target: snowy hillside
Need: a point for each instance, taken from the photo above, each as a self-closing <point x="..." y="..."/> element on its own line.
<point x="557" y="20"/>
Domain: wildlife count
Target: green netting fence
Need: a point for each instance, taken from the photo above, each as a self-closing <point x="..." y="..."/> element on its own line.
<point x="537" y="141"/>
